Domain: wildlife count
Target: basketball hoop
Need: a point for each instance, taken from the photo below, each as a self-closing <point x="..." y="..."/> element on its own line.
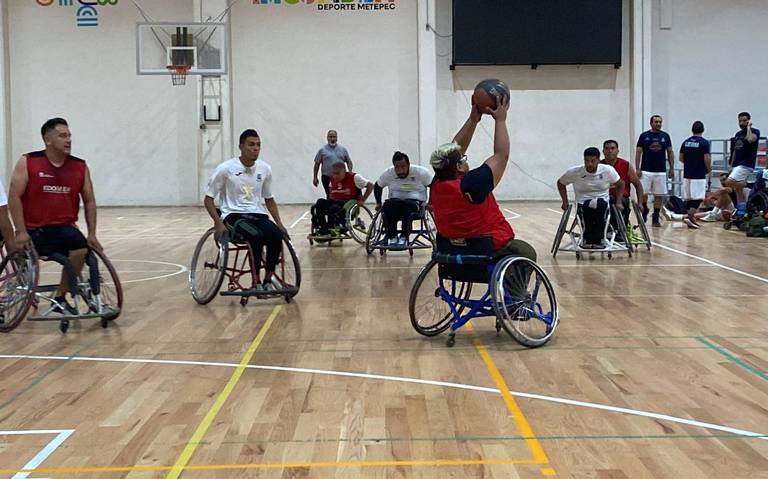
<point x="179" y="74"/>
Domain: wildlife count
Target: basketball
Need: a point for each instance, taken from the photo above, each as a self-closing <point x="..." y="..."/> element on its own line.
<point x="487" y="92"/>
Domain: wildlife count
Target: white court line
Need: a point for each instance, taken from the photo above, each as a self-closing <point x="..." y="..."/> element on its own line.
<point x="182" y="269"/>
<point x="553" y="265"/>
<point x="298" y="220"/>
<point x="712" y="263"/>
<point x="35" y="462"/>
<point x="705" y="260"/>
<point x="514" y="215"/>
<point x="428" y="382"/>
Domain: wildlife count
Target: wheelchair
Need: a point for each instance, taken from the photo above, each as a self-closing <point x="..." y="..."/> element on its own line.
<point x="518" y="293"/>
<point x="422" y="237"/>
<point x="212" y="261"/>
<point x="98" y="292"/>
<point x="355" y="222"/>
<point x="616" y="239"/>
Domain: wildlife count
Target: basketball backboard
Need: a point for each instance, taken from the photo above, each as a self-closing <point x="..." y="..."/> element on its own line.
<point x="201" y="46"/>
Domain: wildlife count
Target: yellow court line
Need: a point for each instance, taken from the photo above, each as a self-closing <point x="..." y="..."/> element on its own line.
<point x="517" y="414"/>
<point x="194" y="441"/>
<point x="287" y="465"/>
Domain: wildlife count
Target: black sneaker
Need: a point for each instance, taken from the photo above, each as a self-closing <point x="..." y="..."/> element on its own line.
<point x="645" y="213"/>
<point x="656" y="221"/>
<point x="61" y="306"/>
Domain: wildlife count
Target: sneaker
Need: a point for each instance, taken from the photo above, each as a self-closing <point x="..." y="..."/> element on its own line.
<point x="402" y="242"/>
<point x="655" y="220"/>
<point x="61" y="306"/>
<point x="666" y="213"/>
<point x="392" y="241"/>
<point x="645" y="213"/>
<point x="268" y="286"/>
<point x="691" y="222"/>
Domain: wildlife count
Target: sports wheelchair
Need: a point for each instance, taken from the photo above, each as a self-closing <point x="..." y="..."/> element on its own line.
<point x="616" y="238"/>
<point x="211" y="264"/>
<point x="352" y="223"/>
<point x="422" y="237"/>
<point x="97" y="290"/>
<point x="518" y="293"/>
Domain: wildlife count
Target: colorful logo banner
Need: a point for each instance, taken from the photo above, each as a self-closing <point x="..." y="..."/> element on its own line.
<point x="86" y="11"/>
<point x="336" y="5"/>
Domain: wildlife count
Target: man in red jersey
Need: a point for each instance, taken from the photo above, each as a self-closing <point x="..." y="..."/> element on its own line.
<point x="344" y="190"/>
<point x="628" y="176"/>
<point x="462" y="199"/>
<point x="44" y="200"/>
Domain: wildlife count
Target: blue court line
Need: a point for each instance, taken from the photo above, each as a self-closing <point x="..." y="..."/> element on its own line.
<point x="730" y="357"/>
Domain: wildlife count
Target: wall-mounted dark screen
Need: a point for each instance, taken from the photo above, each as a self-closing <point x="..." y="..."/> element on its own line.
<point x="536" y="32"/>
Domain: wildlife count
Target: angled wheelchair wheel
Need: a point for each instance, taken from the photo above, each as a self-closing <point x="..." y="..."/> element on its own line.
<point x="621" y="230"/>
<point x="430" y="314"/>
<point x="375" y="232"/>
<point x="524" y="301"/>
<point x="359" y="219"/>
<point x="428" y="222"/>
<point x="209" y="262"/>
<point x="19" y="274"/>
<point x="108" y="300"/>
<point x="288" y="271"/>
<point x="561" y="230"/>
<point x="641" y="224"/>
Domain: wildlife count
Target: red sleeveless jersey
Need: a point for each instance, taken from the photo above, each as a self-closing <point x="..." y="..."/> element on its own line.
<point x="457" y="218"/>
<point x="622" y="168"/>
<point x="52" y="196"/>
<point x="344" y="189"/>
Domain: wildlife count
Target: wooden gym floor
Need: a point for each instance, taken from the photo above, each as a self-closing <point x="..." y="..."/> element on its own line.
<point x="659" y="369"/>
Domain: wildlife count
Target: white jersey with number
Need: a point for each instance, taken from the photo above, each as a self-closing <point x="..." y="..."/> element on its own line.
<point x="412" y="187"/>
<point x="241" y="189"/>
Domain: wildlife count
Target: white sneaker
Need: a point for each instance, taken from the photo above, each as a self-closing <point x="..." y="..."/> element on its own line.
<point x="392" y="241"/>
<point x="668" y="215"/>
<point x="402" y="242"/>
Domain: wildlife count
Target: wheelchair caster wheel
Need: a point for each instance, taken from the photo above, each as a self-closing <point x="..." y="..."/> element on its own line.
<point x="727" y="226"/>
<point x="104" y="323"/>
<point x="381" y="252"/>
<point x="498" y="327"/>
<point x="311" y="242"/>
<point x="243" y="301"/>
<point x="288" y="299"/>
<point x="410" y="252"/>
<point x="64" y="325"/>
<point x="610" y="256"/>
<point x="578" y="255"/>
<point x="451" y="340"/>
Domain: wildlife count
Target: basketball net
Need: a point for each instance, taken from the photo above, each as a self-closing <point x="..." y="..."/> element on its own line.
<point x="178" y="74"/>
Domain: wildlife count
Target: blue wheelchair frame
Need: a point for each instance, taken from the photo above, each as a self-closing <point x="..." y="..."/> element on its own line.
<point x="495" y="301"/>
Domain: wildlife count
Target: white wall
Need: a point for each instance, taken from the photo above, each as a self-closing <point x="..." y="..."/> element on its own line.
<point x="298" y="72"/>
<point x="556" y="112"/>
<point x="710" y="65"/>
<point x="138" y="134"/>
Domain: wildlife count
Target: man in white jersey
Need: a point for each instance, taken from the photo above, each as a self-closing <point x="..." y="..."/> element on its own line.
<point x="407" y="193"/>
<point x="243" y="188"/>
<point x="591" y="184"/>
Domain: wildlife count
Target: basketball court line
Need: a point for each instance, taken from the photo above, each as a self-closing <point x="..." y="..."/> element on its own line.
<point x="181" y="269"/>
<point x="554" y="265"/>
<point x="287" y="465"/>
<point x="427" y="382"/>
<point x="514" y="215"/>
<point x="733" y="358"/>
<point x="705" y="260"/>
<point x="202" y="428"/>
<point x="299" y="219"/>
<point x="34" y="463"/>
<point x="517" y="414"/>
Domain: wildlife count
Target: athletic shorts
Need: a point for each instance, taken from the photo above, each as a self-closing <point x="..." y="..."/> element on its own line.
<point x="740" y="173"/>
<point x="57" y="239"/>
<point x="694" y="189"/>
<point x="654" y="183"/>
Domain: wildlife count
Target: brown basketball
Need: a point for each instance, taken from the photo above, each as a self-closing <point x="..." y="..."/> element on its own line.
<point x="489" y="92"/>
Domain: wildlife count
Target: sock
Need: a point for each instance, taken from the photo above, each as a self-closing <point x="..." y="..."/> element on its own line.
<point x="656" y="211"/>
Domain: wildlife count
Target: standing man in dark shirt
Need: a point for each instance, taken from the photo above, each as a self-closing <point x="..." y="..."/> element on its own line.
<point x="697" y="163"/>
<point x="326" y="157"/>
<point x="654" y="150"/>
<point x="743" y="159"/>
